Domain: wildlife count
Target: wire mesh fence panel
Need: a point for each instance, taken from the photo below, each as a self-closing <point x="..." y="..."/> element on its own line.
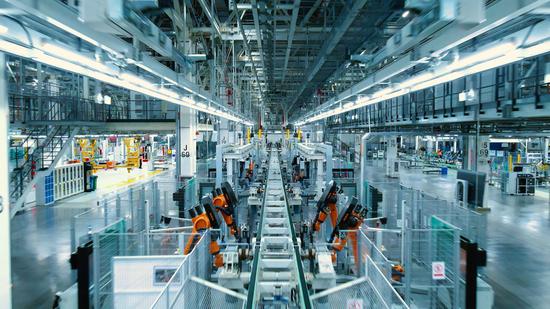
<point x="431" y="264"/>
<point x="472" y="224"/>
<point x="198" y="295"/>
<point x="112" y="242"/>
<point x="383" y="258"/>
<point x="363" y="294"/>
<point x="93" y="220"/>
<point x="177" y="293"/>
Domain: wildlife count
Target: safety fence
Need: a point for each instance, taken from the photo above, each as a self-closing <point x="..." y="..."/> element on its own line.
<point x="472" y="224"/>
<point x="188" y="288"/>
<point x="418" y="207"/>
<point x="431" y="266"/>
<point x="128" y="204"/>
<point x="373" y="290"/>
<point x="407" y="258"/>
<point x="113" y="242"/>
<point x="142" y="206"/>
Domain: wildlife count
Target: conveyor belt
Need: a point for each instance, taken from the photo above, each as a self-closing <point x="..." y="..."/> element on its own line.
<point x="277" y="276"/>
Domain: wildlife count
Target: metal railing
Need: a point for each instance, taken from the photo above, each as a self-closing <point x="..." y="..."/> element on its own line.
<point x="373" y="290"/>
<point x="113" y="242"/>
<point x="38" y="158"/>
<point x="141" y="206"/>
<point x="184" y="290"/>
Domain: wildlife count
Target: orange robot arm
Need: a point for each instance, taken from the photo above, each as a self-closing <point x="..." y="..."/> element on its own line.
<point x="225" y="202"/>
<point x="351" y="221"/>
<point x="203" y="221"/>
<point x="326" y="206"/>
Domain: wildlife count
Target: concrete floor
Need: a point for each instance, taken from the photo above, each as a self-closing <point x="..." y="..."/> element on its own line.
<point x="518" y="247"/>
<point x="40" y="244"/>
<point x="518" y="250"/>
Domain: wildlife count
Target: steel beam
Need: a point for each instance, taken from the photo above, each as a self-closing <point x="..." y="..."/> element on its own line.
<point x="345" y="19"/>
<point x="211" y="17"/>
<point x="258" y="37"/>
<point x="447" y="38"/>
<point x="248" y="53"/>
<point x="291" y="35"/>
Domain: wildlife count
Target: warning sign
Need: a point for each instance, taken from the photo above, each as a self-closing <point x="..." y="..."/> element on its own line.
<point x="355" y="303"/>
<point x="438" y="270"/>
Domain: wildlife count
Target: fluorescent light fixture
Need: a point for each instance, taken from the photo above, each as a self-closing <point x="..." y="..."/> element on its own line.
<point x="535" y="50"/>
<point x="382" y="92"/>
<point x="15" y="49"/>
<point x="349" y="104"/>
<point x="70" y="30"/>
<point x="169" y="92"/>
<point x="481" y="56"/>
<point x="125" y="80"/>
<point x="72" y="56"/>
<point x="436" y="81"/>
<point x="406" y="14"/>
<point x="497" y="62"/>
<point x="416" y="79"/>
<point x="137" y="80"/>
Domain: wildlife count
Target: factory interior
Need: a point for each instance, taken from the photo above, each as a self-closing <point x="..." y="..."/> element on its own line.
<point x="274" y="154"/>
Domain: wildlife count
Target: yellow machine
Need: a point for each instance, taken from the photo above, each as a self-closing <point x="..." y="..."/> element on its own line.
<point x="87" y="150"/>
<point x="132" y="145"/>
<point x="260" y="131"/>
<point x="248" y="134"/>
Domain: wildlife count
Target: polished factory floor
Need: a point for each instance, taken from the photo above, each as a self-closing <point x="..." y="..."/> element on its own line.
<point x="518" y="249"/>
<point x="40" y="245"/>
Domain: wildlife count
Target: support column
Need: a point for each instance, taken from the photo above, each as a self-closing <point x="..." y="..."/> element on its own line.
<point x="483" y="155"/>
<point x="363" y="181"/>
<point x="224" y="132"/>
<point x="5" y="255"/>
<point x="187" y="137"/>
<point x="391" y="156"/>
<point x="545" y="149"/>
<point x="476" y="153"/>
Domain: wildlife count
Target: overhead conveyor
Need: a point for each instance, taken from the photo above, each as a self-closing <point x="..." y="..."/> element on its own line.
<point x="277" y="275"/>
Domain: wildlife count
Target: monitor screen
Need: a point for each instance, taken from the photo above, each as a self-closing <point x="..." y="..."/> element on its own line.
<point x="476" y="186"/>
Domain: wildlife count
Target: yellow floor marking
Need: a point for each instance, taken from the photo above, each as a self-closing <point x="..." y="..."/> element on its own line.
<point x="129" y="181"/>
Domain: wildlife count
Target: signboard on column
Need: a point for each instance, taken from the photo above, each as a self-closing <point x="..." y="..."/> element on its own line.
<point x="483" y="154"/>
<point x="188" y="139"/>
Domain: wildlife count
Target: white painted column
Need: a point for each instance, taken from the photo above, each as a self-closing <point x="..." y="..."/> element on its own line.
<point x="476" y="153"/>
<point x="545" y="149"/>
<point x="391" y="154"/>
<point x="187" y="134"/>
<point x="229" y="167"/>
<point x="483" y="155"/>
<point x="5" y="255"/>
<point x="224" y="132"/>
<point x="363" y="159"/>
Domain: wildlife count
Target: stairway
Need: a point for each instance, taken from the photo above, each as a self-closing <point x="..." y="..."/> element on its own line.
<point x="51" y="142"/>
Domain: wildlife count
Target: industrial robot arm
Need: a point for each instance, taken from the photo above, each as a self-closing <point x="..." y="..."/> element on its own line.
<point x="326" y="206"/>
<point x="349" y="221"/>
<point x="225" y="201"/>
<point x="202" y="221"/>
